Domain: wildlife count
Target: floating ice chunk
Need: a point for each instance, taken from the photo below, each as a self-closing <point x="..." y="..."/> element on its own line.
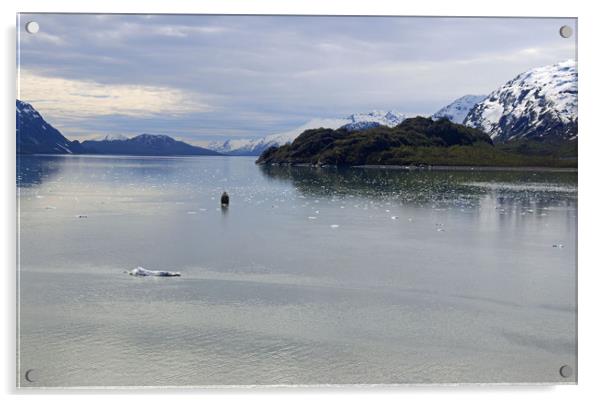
<point x="558" y="245"/>
<point x="142" y="272"/>
<point x="440" y="229"/>
<point x="191" y="212"/>
<point x="317" y="211"/>
<point x="334" y="226"/>
<point x="311" y="217"/>
<point x="394" y="217"/>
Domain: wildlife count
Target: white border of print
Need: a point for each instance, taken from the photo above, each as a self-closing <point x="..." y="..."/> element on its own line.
<point x="590" y="146"/>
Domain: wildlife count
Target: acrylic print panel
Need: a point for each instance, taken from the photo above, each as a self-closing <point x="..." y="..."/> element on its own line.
<point x="268" y="200"/>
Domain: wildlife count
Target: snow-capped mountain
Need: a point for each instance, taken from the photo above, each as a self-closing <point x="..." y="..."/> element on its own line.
<point x="144" y="144"/>
<point x="363" y="121"/>
<point x="111" y="137"/>
<point x="541" y="102"/>
<point x="36" y="136"/>
<point x="459" y="108"/>
<point x="355" y="122"/>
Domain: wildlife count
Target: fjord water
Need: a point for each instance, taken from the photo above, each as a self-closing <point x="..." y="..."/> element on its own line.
<point x="311" y="276"/>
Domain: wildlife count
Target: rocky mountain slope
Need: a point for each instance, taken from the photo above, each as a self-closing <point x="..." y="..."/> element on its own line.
<point x="36" y="136"/>
<point x="539" y="103"/>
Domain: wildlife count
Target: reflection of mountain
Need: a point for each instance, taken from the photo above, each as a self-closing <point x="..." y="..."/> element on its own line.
<point x="33" y="170"/>
<point x="430" y="188"/>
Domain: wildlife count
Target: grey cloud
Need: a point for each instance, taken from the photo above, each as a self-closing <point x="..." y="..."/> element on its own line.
<point x="264" y="74"/>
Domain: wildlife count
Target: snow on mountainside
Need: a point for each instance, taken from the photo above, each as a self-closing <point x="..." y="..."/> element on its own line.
<point x="111" y="137"/>
<point x="541" y="102"/>
<point x="36" y="136"/>
<point x="459" y="108"/>
<point x="357" y="121"/>
<point x="362" y="121"/>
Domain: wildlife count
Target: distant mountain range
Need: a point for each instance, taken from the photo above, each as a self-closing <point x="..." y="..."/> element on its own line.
<point x="358" y="121"/>
<point x="36" y="136"/>
<point x="540" y="103"/>
<point x="143" y="144"/>
<point x="529" y="121"/>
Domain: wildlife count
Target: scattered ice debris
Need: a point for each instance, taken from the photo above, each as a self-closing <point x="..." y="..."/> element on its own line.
<point x="142" y="272"/>
<point x="191" y="212"/>
<point x="558" y="245"/>
<point x="334" y="226"/>
<point x="82" y="216"/>
<point x="394" y="217"/>
<point x="311" y="217"/>
<point x="317" y="211"/>
<point x="440" y="229"/>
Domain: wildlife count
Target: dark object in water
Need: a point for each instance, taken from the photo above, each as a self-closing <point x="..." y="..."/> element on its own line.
<point x="225" y="199"/>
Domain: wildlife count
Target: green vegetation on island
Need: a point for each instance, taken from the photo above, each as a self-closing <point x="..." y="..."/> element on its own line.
<point x="418" y="141"/>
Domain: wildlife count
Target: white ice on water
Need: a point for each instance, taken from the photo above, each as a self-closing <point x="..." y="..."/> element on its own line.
<point x="142" y="272"/>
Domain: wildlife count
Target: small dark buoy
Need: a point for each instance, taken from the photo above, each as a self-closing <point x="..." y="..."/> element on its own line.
<point x="225" y="199"/>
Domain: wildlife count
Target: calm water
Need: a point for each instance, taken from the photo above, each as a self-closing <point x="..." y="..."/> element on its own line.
<point x="311" y="276"/>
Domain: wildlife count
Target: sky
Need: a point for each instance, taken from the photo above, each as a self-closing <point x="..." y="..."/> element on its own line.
<point x="203" y="78"/>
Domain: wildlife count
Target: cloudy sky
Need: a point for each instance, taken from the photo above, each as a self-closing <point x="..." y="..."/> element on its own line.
<point x="202" y="78"/>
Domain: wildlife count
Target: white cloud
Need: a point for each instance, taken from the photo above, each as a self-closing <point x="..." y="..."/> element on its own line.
<point x="70" y="98"/>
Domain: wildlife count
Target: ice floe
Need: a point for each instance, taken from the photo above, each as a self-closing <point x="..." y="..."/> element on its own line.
<point x="142" y="272"/>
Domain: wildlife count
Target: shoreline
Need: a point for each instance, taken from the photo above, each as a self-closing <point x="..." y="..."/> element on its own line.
<point x="437" y="167"/>
<point x="467" y="168"/>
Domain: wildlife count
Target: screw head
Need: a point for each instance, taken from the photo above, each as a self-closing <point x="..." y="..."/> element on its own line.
<point x="32" y="27"/>
<point x="566" y="371"/>
<point x="566" y="31"/>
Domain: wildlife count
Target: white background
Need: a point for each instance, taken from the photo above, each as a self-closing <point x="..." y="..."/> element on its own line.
<point x="590" y="226"/>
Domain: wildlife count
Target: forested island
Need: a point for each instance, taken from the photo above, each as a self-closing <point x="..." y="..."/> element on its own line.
<point x="419" y="141"/>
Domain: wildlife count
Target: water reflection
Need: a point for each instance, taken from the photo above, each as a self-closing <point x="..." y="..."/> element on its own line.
<point x="33" y="170"/>
<point x="311" y="275"/>
<point x="511" y="190"/>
